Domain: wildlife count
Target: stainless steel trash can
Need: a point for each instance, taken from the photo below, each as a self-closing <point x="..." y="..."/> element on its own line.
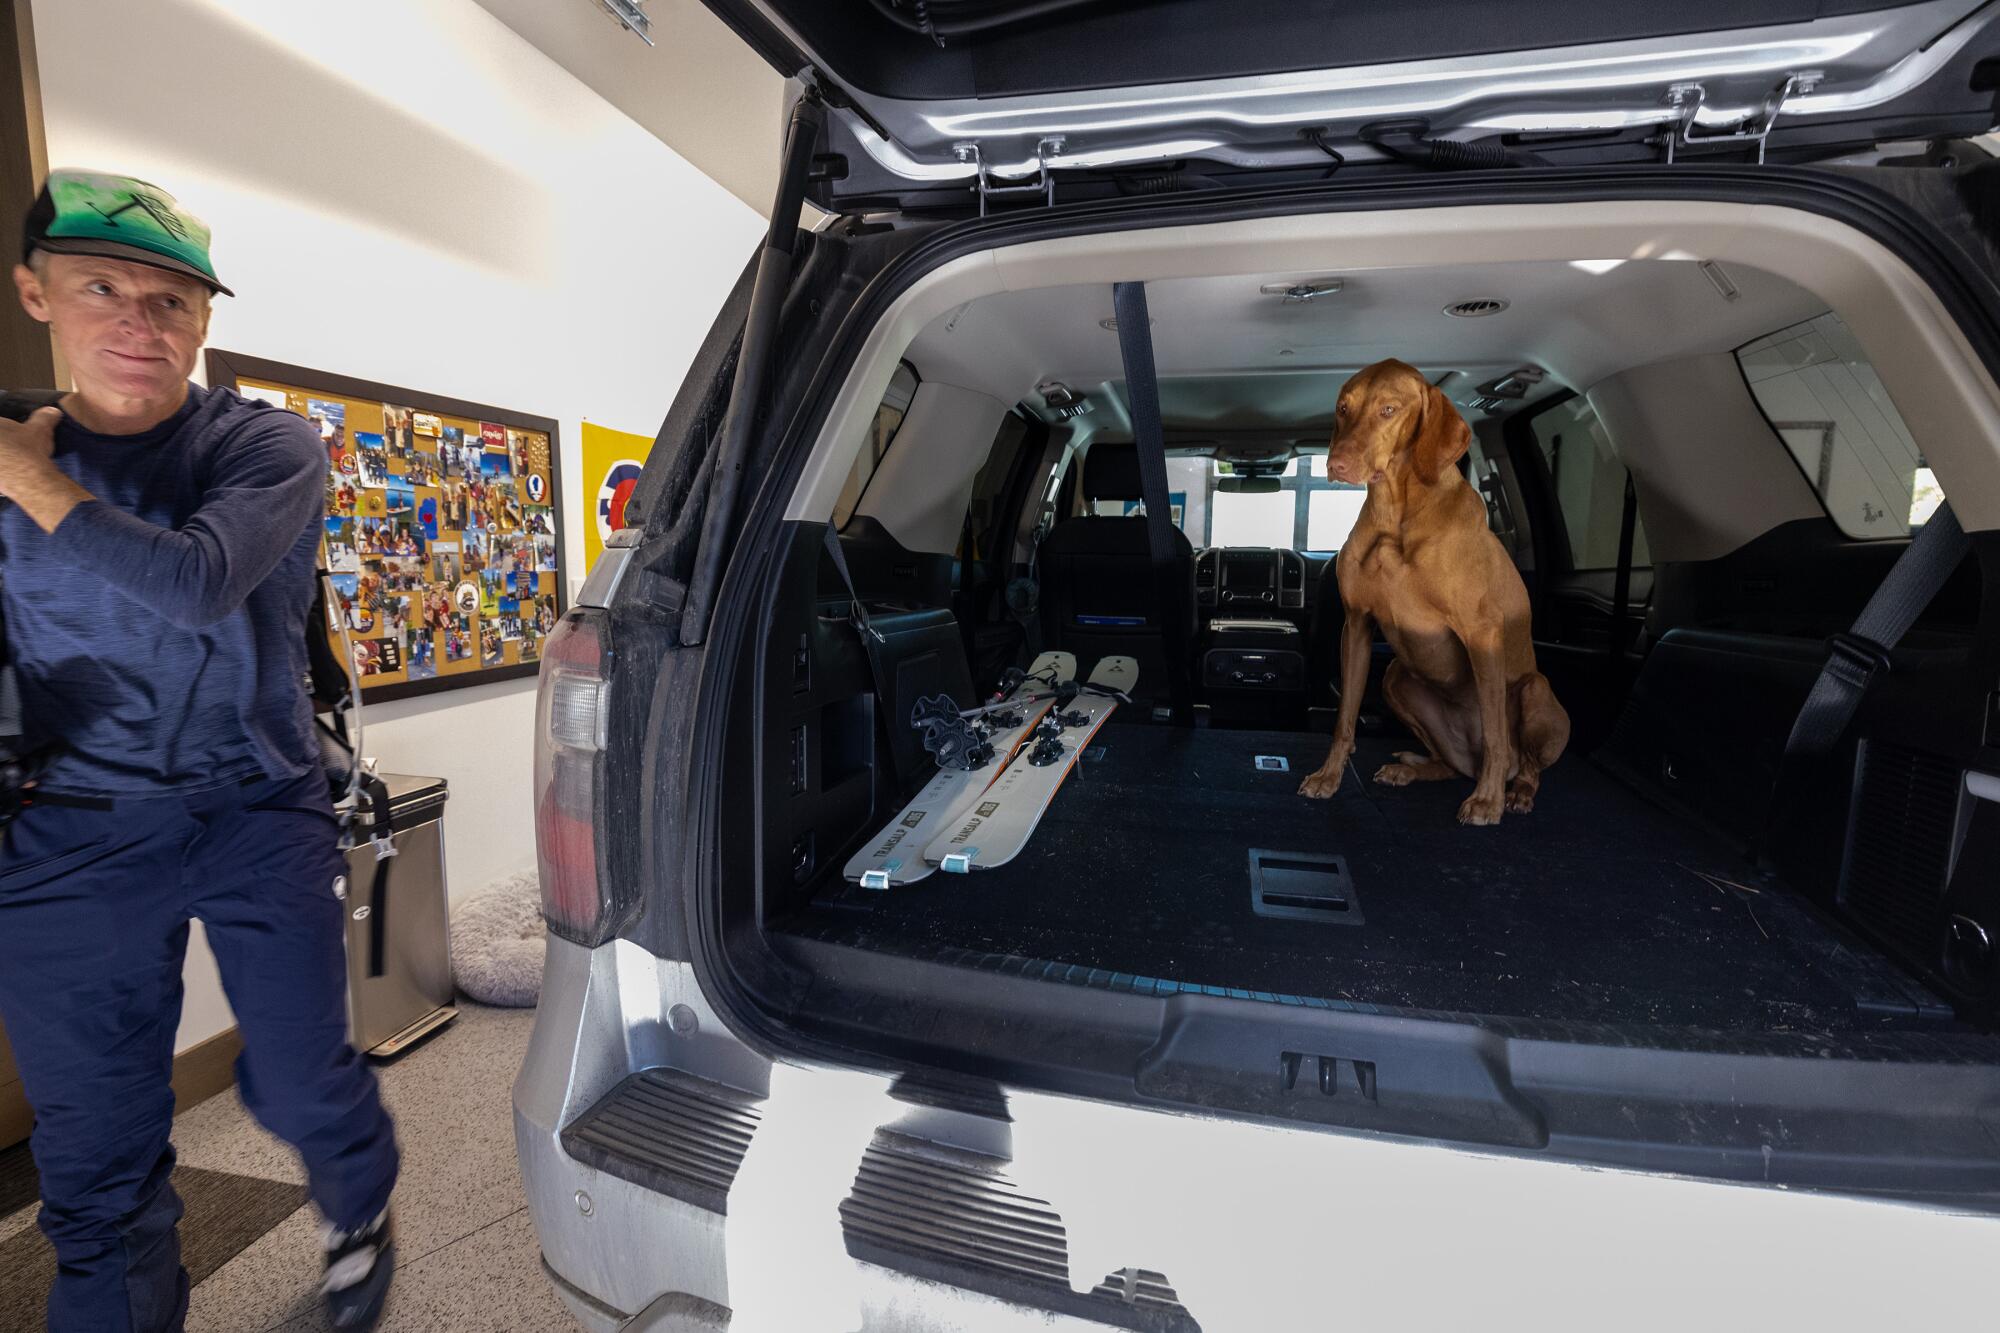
<point x="399" y="987"/>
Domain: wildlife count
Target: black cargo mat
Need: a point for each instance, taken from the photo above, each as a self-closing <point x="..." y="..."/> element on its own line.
<point x="1597" y="908"/>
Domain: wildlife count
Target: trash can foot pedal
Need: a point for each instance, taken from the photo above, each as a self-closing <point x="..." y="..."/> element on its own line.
<point x="414" y="1033"/>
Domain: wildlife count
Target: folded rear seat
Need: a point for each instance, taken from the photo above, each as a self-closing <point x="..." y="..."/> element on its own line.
<point x="1707" y="719"/>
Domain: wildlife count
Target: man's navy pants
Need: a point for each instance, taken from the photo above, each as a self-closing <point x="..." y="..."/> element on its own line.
<point x="94" y="910"/>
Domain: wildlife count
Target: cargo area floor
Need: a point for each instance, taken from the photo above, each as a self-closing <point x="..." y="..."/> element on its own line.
<point x="1599" y="907"/>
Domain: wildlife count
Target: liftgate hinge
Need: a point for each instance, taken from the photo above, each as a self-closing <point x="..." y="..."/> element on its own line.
<point x="1043" y="182"/>
<point x="1686" y="100"/>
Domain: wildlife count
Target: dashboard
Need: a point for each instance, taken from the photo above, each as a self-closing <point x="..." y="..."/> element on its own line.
<point x="1239" y="580"/>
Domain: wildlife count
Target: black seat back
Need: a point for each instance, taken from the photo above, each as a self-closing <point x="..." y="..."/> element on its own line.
<point x="1099" y="592"/>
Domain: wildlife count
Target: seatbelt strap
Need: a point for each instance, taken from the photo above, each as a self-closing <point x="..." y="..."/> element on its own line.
<point x="1862" y="653"/>
<point x="1142" y="390"/>
<point x="871" y="638"/>
<point x="967" y="564"/>
<point x="1050" y="503"/>
<point x="857" y="614"/>
<point x="1621" y="588"/>
<point x="1024" y="591"/>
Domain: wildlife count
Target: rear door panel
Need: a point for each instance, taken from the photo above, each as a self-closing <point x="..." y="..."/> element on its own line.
<point x="932" y="100"/>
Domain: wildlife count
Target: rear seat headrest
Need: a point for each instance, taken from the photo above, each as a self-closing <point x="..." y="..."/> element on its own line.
<point x="1111" y="472"/>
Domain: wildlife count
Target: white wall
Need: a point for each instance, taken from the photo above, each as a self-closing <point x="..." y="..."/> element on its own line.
<point x="405" y="191"/>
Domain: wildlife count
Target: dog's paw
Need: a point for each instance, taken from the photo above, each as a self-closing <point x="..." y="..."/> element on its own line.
<point x="1520" y="798"/>
<point x="1322" y="785"/>
<point x="1396" y="775"/>
<point x="1479" y="810"/>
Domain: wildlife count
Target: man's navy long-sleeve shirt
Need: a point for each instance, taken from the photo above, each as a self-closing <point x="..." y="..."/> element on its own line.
<point x="159" y="632"/>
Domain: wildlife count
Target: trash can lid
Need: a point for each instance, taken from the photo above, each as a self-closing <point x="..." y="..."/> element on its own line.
<point x="407" y="795"/>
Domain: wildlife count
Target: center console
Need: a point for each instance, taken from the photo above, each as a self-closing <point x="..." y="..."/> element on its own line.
<point x="1249" y="580"/>
<point x="1263" y="655"/>
<point x="1253" y="660"/>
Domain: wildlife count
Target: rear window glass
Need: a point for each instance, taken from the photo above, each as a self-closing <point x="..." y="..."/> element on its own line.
<point x="1829" y="407"/>
<point x="888" y="417"/>
<point x="986" y="511"/>
<point x="1589" y="484"/>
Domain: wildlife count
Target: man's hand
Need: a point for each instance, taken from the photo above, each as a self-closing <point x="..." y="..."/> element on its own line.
<point x="26" y="443"/>
<point x="29" y="478"/>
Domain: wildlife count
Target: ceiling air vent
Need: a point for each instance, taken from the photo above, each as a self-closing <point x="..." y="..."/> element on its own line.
<point x="1485" y="305"/>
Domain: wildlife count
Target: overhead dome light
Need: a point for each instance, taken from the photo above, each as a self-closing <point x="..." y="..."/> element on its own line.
<point x="1476" y="308"/>
<point x="1295" y="293"/>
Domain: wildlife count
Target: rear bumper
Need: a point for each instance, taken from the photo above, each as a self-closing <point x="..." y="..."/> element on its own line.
<point x="635" y="1112"/>
<point x="918" y="1203"/>
<point x="674" y="1312"/>
<point x="614" y="1246"/>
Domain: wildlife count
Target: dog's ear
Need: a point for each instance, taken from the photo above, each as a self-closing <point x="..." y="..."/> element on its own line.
<point x="1442" y="437"/>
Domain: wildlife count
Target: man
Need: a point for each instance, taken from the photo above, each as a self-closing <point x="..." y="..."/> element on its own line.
<point x="157" y="543"/>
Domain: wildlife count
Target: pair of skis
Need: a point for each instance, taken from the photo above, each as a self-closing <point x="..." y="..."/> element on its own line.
<point x="968" y="818"/>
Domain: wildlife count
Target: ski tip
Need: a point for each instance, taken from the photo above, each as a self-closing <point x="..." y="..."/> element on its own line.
<point x="1053" y="666"/>
<point x="1116" y="671"/>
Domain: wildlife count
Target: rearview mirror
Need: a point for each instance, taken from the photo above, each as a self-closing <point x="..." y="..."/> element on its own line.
<point x="1249" y="485"/>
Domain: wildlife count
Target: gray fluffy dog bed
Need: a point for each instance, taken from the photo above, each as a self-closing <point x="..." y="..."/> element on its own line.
<point x="496" y="943"/>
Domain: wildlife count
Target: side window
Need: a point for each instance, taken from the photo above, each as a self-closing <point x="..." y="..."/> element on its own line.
<point x="989" y="489"/>
<point x="1484" y="474"/>
<point x="1188" y="492"/>
<point x="1827" y="404"/>
<point x="888" y="417"/>
<point x="1589" y="485"/>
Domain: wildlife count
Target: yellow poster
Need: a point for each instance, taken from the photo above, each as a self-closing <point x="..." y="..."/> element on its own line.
<point x="611" y="463"/>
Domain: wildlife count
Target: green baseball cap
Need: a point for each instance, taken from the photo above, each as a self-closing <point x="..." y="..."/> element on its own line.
<point x="118" y="217"/>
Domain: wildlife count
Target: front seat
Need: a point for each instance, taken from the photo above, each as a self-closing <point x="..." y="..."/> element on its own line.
<point x="1099" y="593"/>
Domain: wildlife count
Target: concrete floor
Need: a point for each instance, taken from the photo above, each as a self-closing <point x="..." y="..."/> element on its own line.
<point x="466" y="1253"/>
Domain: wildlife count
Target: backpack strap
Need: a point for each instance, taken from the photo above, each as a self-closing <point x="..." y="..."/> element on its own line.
<point x="20" y="404"/>
<point x="19" y="762"/>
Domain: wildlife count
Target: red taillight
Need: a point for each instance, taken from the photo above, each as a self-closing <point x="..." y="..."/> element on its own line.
<point x="570" y="719"/>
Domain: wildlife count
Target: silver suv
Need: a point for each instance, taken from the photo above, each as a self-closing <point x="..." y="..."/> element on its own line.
<point x="1709" y="1037"/>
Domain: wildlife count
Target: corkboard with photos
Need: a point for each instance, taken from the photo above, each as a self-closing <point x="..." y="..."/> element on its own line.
<point x="442" y="529"/>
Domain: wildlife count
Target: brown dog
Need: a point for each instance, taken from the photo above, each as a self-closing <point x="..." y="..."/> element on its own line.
<point x="1423" y="565"/>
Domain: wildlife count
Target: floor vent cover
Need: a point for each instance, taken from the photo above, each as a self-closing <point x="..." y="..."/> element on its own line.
<point x="1303" y="886"/>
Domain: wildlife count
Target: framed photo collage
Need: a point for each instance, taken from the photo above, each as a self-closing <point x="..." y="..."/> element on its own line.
<point x="442" y="529"/>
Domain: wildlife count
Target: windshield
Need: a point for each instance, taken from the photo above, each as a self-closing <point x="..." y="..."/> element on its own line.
<point x="1308" y="511"/>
